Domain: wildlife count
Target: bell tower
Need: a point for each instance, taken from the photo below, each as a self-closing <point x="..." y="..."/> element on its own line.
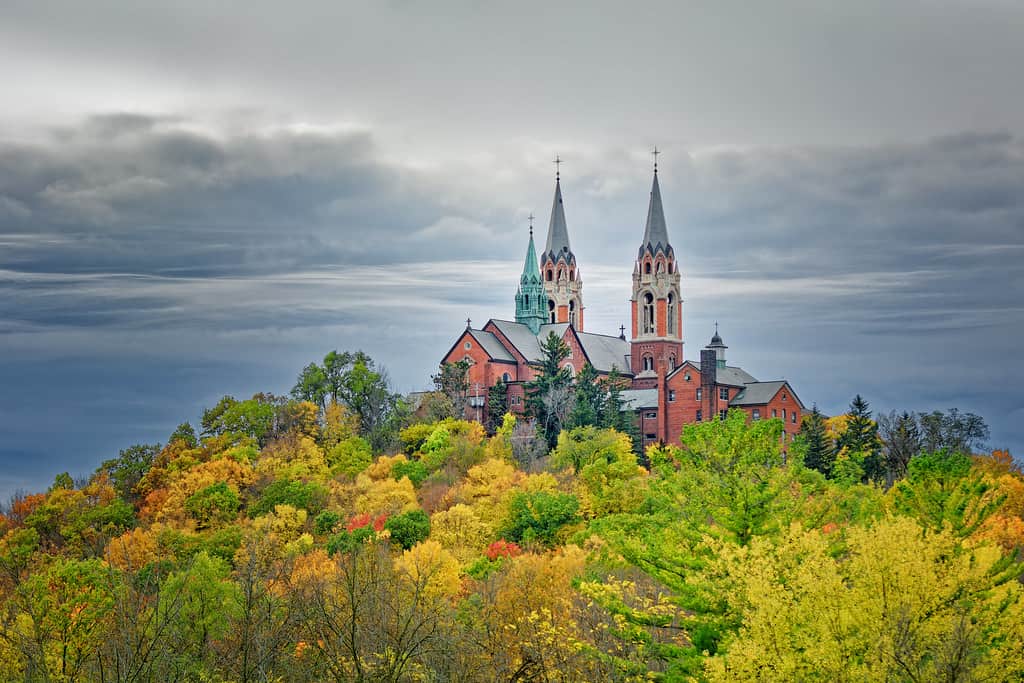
<point x="657" y="345"/>
<point x="531" y="300"/>
<point x="562" y="282"/>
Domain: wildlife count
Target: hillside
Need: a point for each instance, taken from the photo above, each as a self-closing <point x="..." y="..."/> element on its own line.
<point x="279" y="547"/>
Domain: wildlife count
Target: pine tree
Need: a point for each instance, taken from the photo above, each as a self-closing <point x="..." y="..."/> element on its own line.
<point x="590" y="399"/>
<point x="615" y="415"/>
<point x="821" y="452"/>
<point x="549" y="395"/>
<point x="861" y="437"/>
<point x="497" y="405"/>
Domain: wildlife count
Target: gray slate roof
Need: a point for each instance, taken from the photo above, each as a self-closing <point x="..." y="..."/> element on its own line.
<point x="656" y="231"/>
<point x="635" y="399"/>
<point x="558" y="233"/>
<point x="757" y="393"/>
<point x="732" y="376"/>
<point x="605" y="352"/>
<point x="492" y="345"/>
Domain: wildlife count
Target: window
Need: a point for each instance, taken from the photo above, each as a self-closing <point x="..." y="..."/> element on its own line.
<point x="671" y="314"/>
<point x="793" y="417"/>
<point x="723" y="393"/>
<point x="650" y="416"/>
<point x="467" y="346"/>
<point x="572" y="274"/>
<point x="648" y="362"/>
<point x="722" y="414"/>
<point x="506" y="378"/>
<point x="671" y="394"/>
<point x="651" y="437"/>
<point x="783" y="414"/>
<point x="774" y="413"/>
<point x="687" y="377"/>
<point x="698" y="393"/>
<point x="548" y="275"/>
<point x="672" y="362"/>
<point x="572" y="313"/>
<point x="661" y="267"/>
<point x="551" y="307"/>
<point x="571" y="369"/>
<point x="755" y="414"/>
<point x="648" y="313"/>
<point x="783" y="396"/>
<point x="647" y="268"/>
<point x="698" y="416"/>
<point x="670" y="267"/>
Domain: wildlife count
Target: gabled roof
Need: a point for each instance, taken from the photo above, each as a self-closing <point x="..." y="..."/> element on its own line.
<point x="656" y="231"/>
<point x="732" y="376"/>
<point x="760" y="393"/>
<point x="635" y="399"/>
<point x="492" y="345"/>
<point x="557" y="245"/>
<point x="605" y="352"/>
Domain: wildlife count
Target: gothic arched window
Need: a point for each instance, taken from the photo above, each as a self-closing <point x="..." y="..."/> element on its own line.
<point x="648" y="314"/>
<point x="661" y="267"/>
<point x="672" y="362"/>
<point x="648" y="362"/>
<point x="551" y="309"/>
<point x="647" y="268"/>
<point x="548" y="275"/>
<point x="506" y="378"/>
<point x="671" y="314"/>
<point x="572" y="275"/>
<point x="572" y="312"/>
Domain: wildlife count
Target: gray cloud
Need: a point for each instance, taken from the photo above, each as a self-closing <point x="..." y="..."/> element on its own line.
<point x="147" y="267"/>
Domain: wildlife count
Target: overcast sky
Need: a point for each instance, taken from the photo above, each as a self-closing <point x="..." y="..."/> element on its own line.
<point x="199" y="200"/>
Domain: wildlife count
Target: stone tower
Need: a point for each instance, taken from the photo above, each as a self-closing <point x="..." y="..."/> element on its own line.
<point x="562" y="281"/>
<point x="531" y="299"/>
<point x="657" y="344"/>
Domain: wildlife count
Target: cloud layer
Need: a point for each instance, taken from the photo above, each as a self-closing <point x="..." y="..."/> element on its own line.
<point x="147" y="268"/>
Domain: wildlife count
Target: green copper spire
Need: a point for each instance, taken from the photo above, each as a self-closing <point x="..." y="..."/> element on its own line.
<point x="530" y="298"/>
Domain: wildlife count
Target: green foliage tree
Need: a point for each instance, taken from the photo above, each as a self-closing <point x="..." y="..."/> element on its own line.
<point x="308" y="496"/>
<point x="186" y="434"/>
<point x="131" y="464"/>
<point x="952" y="431"/>
<point x="537" y="517"/>
<point x="588" y="406"/>
<point x="497" y="405"/>
<point x="350" y="457"/>
<point x="408" y="528"/>
<point x="214" y="504"/>
<point x="452" y="381"/>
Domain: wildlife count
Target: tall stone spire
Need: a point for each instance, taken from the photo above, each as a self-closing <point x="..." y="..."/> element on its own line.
<point x="562" y="281"/>
<point x="656" y="231"/>
<point x="557" y="247"/>
<point x="531" y="302"/>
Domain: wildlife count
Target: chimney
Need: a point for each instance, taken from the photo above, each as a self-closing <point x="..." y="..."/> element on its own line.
<point x="708" y="380"/>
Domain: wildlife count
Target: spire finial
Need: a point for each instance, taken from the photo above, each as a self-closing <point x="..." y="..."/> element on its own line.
<point x="655" y="154"/>
<point x="557" y="162"/>
<point x="531" y="217"/>
<point x="468" y="321"/>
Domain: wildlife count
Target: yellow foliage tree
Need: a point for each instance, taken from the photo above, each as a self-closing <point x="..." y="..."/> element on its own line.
<point x="384" y="497"/>
<point x="430" y="570"/>
<point x="900" y="604"/>
<point x="295" y="456"/>
<point x="461" y="531"/>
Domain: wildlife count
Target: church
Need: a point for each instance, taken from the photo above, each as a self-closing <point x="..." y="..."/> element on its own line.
<point x="666" y="390"/>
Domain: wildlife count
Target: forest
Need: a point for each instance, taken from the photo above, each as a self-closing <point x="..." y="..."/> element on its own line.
<point x="346" y="533"/>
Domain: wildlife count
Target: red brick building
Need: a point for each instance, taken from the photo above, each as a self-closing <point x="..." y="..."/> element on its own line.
<point x="666" y="391"/>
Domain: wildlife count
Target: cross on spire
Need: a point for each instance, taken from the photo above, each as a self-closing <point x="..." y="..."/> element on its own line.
<point x="468" y="321"/>
<point x="557" y="162"/>
<point x="716" y="327"/>
<point x="655" y="154"/>
<point x="622" y="331"/>
<point x="531" y="217"/>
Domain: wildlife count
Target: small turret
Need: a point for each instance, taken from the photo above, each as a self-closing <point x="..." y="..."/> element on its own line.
<point x="719" y="347"/>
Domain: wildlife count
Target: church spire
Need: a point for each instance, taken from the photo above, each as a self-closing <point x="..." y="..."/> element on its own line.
<point x="530" y="298"/>
<point x="656" y="231"/>
<point x="557" y="246"/>
<point x="562" y="282"/>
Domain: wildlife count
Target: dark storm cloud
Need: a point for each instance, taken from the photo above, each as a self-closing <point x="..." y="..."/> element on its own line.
<point x="148" y="266"/>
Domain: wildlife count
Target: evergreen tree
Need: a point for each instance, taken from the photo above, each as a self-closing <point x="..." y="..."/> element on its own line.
<point x="590" y="399"/>
<point x="452" y="381"/>
<point x="821" y="452"/>
<point x="861" y="437"/>
<point x="614" y="414"/>
<point x="497" y="405"/>
<point x="549" y="394"/>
